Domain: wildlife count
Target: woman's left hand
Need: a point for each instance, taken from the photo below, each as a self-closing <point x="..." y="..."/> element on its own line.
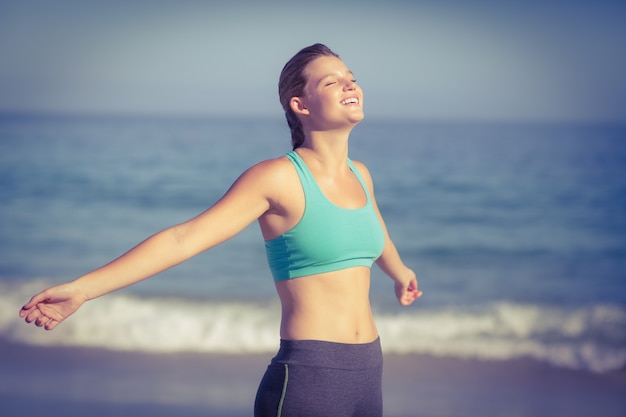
<point x="406" y="289"/>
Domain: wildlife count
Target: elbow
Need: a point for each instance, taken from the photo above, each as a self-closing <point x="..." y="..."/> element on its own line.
<point x="186" y="239"/>
<point x="179" y="241"/>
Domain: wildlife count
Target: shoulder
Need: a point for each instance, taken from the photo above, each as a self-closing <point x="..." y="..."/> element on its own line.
<point x="270" y="169"/>
<point x="269" y="176"/>
<point x="276" y="181"/>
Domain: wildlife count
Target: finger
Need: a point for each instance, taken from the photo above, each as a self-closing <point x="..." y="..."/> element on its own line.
<point x="411" y="296"/>
<point x="33" y="315"/>
<point x="42" y="320"/>
<point x="52" y="323"/>
<point x="33" y="304"/>
<point x="26" y="311"/>
<point x="407" y="299"/>
<point x="414" y="288"/>
<point x="36" y="299"/>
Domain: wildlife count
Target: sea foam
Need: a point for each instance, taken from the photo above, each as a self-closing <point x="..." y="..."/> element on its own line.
<point x="591" y="338"/>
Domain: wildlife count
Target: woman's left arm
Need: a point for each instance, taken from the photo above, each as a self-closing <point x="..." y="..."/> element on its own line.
<point x="389" y="262"/>
<point x="404" y="278"/>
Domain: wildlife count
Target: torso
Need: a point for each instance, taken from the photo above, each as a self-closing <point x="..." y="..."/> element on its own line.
<point x="332" y="306"/>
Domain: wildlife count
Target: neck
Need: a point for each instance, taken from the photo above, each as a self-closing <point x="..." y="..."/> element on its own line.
<point x="329" y="148"/>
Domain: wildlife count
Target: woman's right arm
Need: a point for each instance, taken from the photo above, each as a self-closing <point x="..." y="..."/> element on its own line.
<point x="246" y="200"/>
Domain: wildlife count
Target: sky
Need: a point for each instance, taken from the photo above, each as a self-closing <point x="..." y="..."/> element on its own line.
<point x="422" y="60"/>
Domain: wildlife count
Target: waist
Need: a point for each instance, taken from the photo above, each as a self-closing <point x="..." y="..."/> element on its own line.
<point x="325" y="354"/>
<point x="333" y="307"/>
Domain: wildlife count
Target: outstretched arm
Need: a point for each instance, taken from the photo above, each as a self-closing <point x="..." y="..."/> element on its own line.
<point x="246" y="200"/>
<point x="389" y="262"/>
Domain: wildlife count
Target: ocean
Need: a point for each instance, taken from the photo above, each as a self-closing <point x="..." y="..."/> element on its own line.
<point x="517" y="233"/>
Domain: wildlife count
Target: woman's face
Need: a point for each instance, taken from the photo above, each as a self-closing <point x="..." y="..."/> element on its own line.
<point x="331" y="95"/>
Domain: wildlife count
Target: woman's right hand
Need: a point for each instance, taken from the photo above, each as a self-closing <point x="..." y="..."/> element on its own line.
<point x="50" y="307"/>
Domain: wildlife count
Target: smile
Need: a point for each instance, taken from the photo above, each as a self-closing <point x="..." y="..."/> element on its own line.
<point x="351" y="100"/>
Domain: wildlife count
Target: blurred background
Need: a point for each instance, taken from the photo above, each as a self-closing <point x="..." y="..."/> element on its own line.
<point x="425" y="60"/>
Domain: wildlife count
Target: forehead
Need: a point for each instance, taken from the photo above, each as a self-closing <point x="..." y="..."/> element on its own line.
<point x="324" y="66"/>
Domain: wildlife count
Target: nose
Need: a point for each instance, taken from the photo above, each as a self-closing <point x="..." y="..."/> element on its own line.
<point x="350" y="84"/>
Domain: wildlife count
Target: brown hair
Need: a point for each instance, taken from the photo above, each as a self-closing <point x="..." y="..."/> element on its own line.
<point x="291" y="84"/>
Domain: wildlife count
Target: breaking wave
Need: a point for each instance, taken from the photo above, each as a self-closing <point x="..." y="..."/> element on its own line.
<point x="591" y="338"/>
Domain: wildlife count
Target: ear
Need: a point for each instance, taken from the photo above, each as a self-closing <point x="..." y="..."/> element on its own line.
<point x="298" y="106"/>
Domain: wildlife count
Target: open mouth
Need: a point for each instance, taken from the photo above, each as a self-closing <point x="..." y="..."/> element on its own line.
<point x="351" y="100"/>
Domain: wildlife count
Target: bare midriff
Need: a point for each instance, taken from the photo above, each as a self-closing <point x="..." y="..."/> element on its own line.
<point x="332" y="307"/>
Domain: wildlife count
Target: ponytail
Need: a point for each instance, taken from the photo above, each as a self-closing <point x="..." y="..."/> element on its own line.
<point x="295" y="125"/>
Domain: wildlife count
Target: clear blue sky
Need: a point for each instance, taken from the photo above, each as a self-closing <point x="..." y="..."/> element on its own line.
<point x="442" y="60"/>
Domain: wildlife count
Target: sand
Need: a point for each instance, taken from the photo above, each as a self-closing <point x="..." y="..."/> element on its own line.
<point x="59" y="381"/>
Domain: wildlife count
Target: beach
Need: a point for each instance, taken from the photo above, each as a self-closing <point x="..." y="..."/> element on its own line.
<point x="97" y="382"/>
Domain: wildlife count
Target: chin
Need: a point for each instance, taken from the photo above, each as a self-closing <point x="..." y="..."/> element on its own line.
<point x="357" y="118"/>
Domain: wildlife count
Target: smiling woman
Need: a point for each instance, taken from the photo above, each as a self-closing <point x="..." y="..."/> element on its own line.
<point x="323" y="231"/>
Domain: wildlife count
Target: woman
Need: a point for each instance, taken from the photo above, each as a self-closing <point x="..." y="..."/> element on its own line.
<point x="322" y="232"/>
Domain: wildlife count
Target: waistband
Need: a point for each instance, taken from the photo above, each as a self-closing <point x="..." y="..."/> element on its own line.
<point x="335" y="355"/>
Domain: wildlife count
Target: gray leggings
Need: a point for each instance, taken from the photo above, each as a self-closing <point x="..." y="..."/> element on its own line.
<point x="309" y="378"/>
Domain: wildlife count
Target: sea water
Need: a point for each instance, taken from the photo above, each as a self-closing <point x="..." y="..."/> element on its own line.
<point x="517" y="233"/>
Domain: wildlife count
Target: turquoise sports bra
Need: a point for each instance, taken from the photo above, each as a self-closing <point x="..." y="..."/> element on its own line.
<point x="327" y="237"/>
